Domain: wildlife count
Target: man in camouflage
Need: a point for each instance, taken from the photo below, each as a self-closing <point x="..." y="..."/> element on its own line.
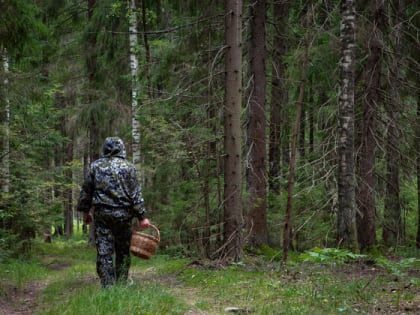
<point x="112" y="188"/>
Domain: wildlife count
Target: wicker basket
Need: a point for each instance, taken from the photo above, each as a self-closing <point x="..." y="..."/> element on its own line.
<point x="144" y="245"/>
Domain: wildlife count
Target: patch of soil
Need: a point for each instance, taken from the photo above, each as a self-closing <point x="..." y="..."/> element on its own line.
<point x="22" y="301"/>
<point x="57" y="265"/>
<point x="393" y="292"/>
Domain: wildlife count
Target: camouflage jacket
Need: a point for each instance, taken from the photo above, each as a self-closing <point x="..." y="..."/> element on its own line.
<point x="112" y="182"/>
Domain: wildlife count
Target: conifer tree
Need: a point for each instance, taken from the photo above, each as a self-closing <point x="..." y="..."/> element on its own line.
<point x="233" y="220"/>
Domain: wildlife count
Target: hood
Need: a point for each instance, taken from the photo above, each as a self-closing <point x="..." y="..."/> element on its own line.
<point x="114" y="147"/>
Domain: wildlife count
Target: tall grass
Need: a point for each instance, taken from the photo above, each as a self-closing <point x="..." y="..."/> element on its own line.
<point x="19" y="272"/>
<point x="90" y="299"/>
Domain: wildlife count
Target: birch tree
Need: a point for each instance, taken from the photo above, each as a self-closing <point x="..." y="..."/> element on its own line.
<point x="346" y="178"/>
<point x="134" y="67"/>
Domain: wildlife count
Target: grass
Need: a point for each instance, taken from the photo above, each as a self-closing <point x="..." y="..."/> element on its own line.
<point x="20" y="272"/>
<point x="67" y="284"/>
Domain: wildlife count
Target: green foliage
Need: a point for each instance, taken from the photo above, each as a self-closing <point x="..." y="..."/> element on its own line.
<point x="17" y="23"/>
<point x="399" y="268"/>
<point x="409" y="206"/>
<point x="330" y="255"/>
<point x="28" y="208"/>
<point x="8" y="241"/>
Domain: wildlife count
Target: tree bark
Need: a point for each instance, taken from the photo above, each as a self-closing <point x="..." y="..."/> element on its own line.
<point x="5" y="123"/>
<point x="279" y="94"/>
<point x="91" y="60"/>
<point x="366" y="218"/>
<point x="302" y="131"/>
<point x="346" y="216"/>
<point x="392" y="228"/>
<point x="93" y="128"/>
<point x="68" y="194"/>
<point x="418" y="173"/>
<point x="311" y="118"/>
<point x="233" y="220"/>
<point x="256" y="125"/>
<point x="134" y="66"/>
<point x="146" y="49"/>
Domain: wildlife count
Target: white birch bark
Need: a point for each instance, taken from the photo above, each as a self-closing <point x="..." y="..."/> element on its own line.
<point x="5" y="156"/>
<point x="346" y="175"/>
<point x="134" y="66"/>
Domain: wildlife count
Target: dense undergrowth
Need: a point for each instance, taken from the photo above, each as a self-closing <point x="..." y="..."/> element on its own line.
<point x="321" y="281"/>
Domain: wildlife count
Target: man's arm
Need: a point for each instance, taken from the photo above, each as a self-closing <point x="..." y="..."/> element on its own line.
<point x="86" y="193"/>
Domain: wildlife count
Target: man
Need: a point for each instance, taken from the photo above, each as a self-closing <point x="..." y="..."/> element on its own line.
<point x="112" y="188"/>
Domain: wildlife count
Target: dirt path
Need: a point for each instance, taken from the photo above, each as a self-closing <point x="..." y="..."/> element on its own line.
<point x="189" y="295"/>
<point x="25" y="301"/>
<point x="21" y="301"/>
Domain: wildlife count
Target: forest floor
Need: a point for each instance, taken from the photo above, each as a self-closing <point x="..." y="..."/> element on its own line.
<point x="375" y="290"/>
<point x="21" y="301"/>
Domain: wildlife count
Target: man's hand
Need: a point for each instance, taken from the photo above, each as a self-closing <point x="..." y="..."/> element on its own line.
<point x="144" y="224"/>
<point x="87" y="218"/>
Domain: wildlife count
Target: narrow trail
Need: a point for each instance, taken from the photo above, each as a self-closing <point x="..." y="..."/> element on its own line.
<point x="28" y="300"/>
<point x="22" y="301"/>
<point x="189" y="295"/>
<point x="25" y="301"/>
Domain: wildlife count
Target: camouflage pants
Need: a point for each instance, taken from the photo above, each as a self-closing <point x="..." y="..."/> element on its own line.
<point x="113" y="235"/>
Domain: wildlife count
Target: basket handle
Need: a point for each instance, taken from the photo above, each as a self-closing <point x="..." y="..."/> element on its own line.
<point x="154" y="228"/>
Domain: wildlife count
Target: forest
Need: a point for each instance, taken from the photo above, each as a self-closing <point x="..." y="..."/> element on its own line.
<point x="256" y="125"/>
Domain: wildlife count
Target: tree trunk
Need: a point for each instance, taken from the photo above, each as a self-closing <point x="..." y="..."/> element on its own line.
<point x="93" y="128"/>
<point x="311" y="118"/>
<point x="299" y="103"/>
<point x="418" y="173"/>
<point x="68" y="194"/>
<point x="4" y="123"/>
<point x="279" y="95"/>
<point x="302" y="130"/>
<point x="256" y="125"/>
<point x="134" y="66"/>
<point x="147" y="50"/>
<point x="85" y="169"/>
<point x="366" y="219"/>
<point x="233" y="221"/>
<point x="346" y="216"/>
<point x="392" y="228"/>
<point x="91" y="69"/>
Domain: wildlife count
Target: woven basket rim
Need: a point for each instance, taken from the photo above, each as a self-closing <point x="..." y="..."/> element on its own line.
<point x="144" y="245"/>
<point x="149" y="236"/>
